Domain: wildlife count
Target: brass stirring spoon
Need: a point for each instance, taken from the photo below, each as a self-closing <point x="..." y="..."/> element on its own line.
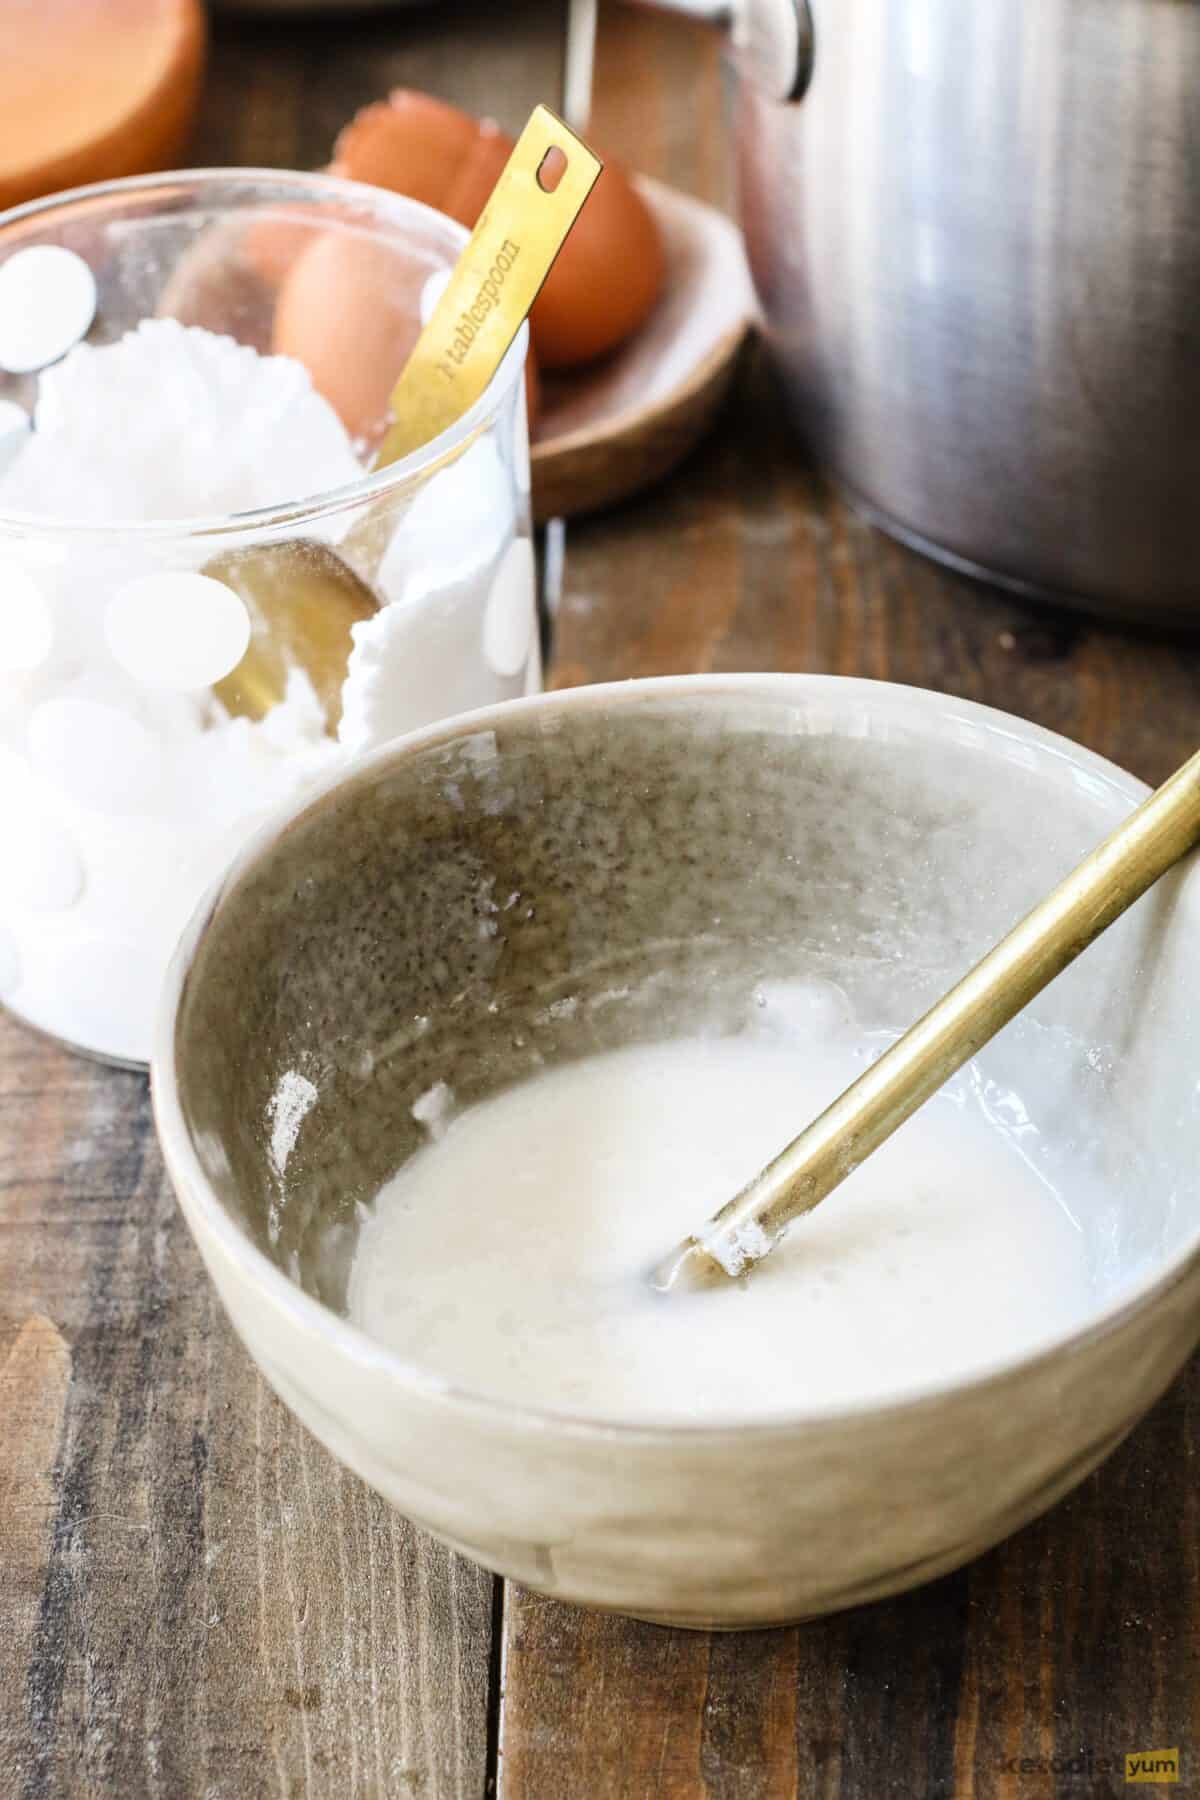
<point x="1162" y="830"/>
<point x="304" y="598"/>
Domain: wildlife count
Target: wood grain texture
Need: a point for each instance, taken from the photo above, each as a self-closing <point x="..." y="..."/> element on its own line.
<point x="194" y="1598"/>
<point x="280" y="89"/>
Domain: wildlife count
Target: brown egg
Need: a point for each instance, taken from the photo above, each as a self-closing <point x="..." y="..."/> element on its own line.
<point x="213" y="286"/>
<point x="607" y="278"/>
<point x="350" y="312"/>
<point x="390" y="144"/>
<point x="608" y="274"/>
<point x="272" y="242"/>
<point x="409" y="142"/>
<point x="348" y="309"/>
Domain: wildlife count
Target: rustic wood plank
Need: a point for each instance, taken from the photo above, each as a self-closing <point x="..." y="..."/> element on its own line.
<point x="195" y="1599"/>
<point x="280" y="89"/>
<point x="35" y="1375"/>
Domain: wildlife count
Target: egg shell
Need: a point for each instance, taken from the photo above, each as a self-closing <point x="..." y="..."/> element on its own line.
<point x="349" y="311"/>
<point x="409" y="142"/>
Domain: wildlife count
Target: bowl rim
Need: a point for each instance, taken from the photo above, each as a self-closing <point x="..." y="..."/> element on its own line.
<point x="307" y="509"/>
<point x="206" y="1213"/>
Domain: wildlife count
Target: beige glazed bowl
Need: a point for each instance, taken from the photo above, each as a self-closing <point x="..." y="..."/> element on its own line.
<point x="675" y="842"/>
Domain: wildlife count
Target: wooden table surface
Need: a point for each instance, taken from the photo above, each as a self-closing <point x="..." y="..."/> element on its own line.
<point x="195" y="1599"/>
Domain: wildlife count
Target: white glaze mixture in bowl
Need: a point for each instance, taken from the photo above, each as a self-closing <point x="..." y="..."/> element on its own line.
<point x="512" y="1254"/>
<point x="455" y="1055"/>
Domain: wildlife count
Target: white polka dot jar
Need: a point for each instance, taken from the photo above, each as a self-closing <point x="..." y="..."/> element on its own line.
<point x="208" y="602"/>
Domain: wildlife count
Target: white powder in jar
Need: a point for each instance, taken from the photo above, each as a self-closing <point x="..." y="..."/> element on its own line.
<point x="174" y="422"/>
<point x="124" y="789"/>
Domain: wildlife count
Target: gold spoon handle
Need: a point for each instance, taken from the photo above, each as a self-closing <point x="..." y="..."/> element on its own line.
<point x="1163" y="829"/>
<point x="494" y="284"/>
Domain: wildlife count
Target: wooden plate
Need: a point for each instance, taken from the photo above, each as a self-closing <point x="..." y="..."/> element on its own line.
<point x="92" y="89"/>
<point x="607" y="431"/>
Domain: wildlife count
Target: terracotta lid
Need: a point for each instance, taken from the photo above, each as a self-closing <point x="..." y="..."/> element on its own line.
<point x="91" y="89"/>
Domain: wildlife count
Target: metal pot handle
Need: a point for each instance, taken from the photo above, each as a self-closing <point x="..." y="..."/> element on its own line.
<point x="772" y="39"/>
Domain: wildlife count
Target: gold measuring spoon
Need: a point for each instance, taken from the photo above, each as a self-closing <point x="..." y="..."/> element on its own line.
<point x="304" y="599"/>
<point x="1047" y="940"/>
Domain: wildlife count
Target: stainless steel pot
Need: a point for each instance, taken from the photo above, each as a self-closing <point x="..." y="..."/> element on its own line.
<point x="977" y="244"/>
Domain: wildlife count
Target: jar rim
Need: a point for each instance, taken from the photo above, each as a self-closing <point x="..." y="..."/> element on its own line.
<point x="289" y="516"/>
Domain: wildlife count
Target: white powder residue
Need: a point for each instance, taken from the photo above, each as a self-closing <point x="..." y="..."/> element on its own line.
<point x="793" y="1010"/>
<point x="735" y="1248"/>
<point x="289" y="1106"/>
<point x="434" y="1109"/>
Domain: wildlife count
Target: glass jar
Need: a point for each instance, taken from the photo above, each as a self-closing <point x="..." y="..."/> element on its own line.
<point x="148" y="719"/>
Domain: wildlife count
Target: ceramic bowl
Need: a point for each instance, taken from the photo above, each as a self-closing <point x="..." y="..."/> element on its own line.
<point x="677" y="841"/>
